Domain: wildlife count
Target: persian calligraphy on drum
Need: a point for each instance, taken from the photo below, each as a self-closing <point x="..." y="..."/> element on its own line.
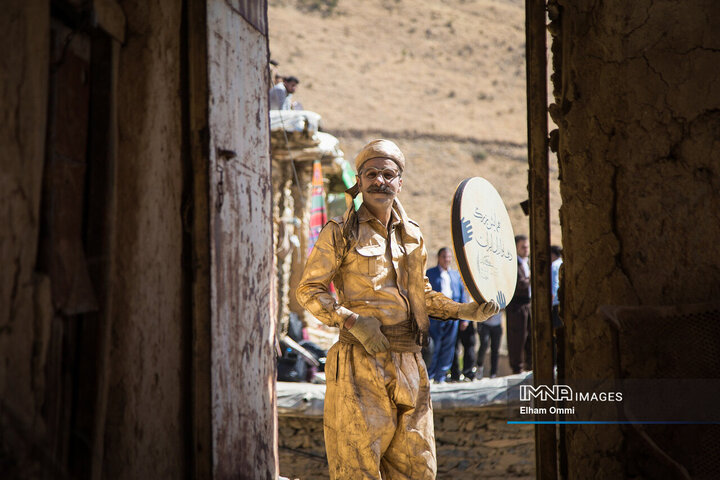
<point x="484" y="241"/>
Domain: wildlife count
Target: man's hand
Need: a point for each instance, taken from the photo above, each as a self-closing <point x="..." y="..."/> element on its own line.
<point x="478" y="312"/>
<point x="367" y="330"/>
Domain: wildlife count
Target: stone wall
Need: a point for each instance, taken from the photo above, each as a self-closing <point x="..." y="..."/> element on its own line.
<point x="470" y="443"/>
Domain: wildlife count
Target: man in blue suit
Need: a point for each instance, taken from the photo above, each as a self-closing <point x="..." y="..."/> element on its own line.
<point x="444" y="332"/>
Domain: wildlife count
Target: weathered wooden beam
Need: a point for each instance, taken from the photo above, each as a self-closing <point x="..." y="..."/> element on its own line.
<point x="107" y="148"/>
<point x="109" y="16"/>
<point x="197" y="218"/>
<point x="242" y="324"/>
<point x="538" y="185"/>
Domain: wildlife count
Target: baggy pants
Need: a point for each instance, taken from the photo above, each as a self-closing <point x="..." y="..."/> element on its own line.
<point x="378" y="416"/>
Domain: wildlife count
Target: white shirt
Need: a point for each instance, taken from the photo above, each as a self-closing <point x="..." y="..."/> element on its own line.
<point x="526" y="269"/>
<point x="280" y="99"/>
<point x="445" y="283"/>
<point x="525" y="266"/>
<point x="555" y="280"/>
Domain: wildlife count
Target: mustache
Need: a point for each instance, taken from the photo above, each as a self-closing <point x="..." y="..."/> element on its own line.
<point x="379" y="189"/>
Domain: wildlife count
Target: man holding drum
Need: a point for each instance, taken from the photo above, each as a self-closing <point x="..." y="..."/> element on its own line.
<point x="378" y="416"/>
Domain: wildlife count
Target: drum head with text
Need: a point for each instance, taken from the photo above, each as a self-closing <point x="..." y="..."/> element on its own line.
<point x="484" y="242"/>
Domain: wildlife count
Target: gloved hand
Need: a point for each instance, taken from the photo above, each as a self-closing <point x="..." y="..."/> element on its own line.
<point x="367" y="330"/>
<point x="478" y="312"/>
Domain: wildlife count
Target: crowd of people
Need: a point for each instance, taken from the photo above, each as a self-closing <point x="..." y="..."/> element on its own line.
<point x="457" y="349"/>
<point x="366" y="275"/>
<point x="453" y="340"/>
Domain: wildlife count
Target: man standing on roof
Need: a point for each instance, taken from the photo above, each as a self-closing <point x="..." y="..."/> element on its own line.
<point x="281" y="94"/>
<point x="378" y="416"/>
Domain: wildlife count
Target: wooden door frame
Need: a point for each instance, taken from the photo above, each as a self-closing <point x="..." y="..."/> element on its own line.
<point x="538" y="185"/>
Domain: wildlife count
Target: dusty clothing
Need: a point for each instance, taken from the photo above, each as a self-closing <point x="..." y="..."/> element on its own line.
<point x="400" y="337"/>
<point x="378" y="416"/>
<point x="363" y="274"/>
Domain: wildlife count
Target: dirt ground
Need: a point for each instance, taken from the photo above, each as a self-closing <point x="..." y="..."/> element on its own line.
<point x="444" y="80"/>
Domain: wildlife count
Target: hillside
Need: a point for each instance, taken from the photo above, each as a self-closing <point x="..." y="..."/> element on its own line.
<point x="445" y="80"/>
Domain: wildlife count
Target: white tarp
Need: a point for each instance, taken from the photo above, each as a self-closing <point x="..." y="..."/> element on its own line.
<point x="295" y="121"/>
<point x="329" y="146"/>
<point x="305" y="399"/>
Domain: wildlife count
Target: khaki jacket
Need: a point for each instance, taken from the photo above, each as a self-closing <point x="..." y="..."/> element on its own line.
<point x="360" y="271"/>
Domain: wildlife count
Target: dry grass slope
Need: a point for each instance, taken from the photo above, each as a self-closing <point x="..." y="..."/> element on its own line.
<point x="443" y="79"/>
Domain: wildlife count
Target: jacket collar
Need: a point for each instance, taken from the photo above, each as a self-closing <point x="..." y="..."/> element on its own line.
<point x="364" y="215"/>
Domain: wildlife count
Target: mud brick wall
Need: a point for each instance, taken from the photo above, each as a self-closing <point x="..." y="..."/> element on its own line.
<point x="638" y="111"/>
<point x="471" y="443"/>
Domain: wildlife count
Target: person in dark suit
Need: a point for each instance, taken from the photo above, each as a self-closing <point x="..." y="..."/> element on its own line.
<point x="519" y="336"/>
<point x="444" y="332"/>
<point x="466" y="337"/>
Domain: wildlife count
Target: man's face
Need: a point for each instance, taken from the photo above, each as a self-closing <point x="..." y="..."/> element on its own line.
<point x="445" y="259"/>
<point x="290" y="86"/>
<point x="379" y="181"/>
<point x="523" y="248"/>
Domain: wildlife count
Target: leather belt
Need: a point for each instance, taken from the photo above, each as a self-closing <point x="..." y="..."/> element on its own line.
<point x="400" y="336"/>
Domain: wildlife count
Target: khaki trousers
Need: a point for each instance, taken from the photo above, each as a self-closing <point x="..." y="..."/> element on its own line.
<point x="378" y="416"/>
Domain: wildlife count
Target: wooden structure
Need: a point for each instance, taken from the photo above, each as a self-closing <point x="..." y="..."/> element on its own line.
<point x="137" y="330"/>
<point x="637" y="106"/>
<point x="136" y="302"/>
<point x="296" y="141"/>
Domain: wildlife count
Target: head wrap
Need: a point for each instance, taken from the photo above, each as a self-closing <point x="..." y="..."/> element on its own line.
<point x="380" y="149"/>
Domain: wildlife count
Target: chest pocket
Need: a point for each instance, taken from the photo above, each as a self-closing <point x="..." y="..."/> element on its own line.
<point x="370" y="259"/>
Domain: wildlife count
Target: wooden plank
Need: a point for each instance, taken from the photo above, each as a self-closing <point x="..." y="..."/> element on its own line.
<point x="109" y="16"/>
<point x="64" y="178"/>
<point x="538" y="184"/>
<point x="253" y="11"/>
<point x="109" y="56"/>
<point x="243" y="321"/>
<point x="195" y="126"/>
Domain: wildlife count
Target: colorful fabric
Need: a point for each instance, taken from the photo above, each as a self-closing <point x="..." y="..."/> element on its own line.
<point x="318" y="211"/>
